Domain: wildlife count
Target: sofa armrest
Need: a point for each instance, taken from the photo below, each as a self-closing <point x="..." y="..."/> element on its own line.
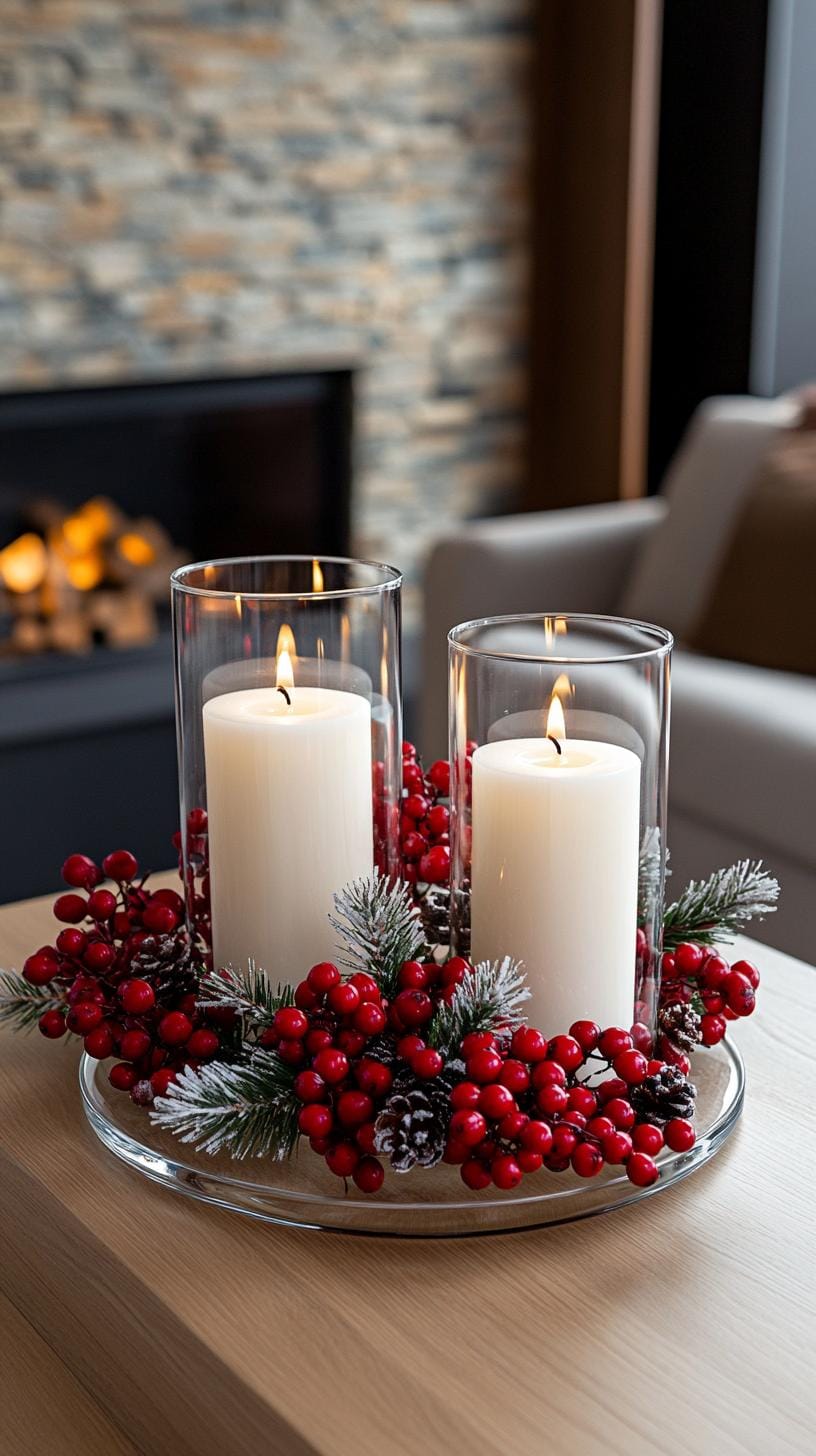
<point x="554" y="561"/>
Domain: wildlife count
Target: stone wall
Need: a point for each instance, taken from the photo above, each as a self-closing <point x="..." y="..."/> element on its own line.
<point x="203" y="186"/>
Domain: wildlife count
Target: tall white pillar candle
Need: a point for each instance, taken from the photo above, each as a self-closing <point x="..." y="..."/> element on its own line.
<point x="290" y="821"/>
<point x="554" y="876"/>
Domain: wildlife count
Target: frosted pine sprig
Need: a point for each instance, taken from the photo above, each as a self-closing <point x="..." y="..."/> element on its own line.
<point x="492" y="996"/>
<point x="715" y="910"/>
<point x="249" y="993"/>
<point x="22" y="1004"/>
<point x="379" y="928"/>
<point x="246" y="1111"/>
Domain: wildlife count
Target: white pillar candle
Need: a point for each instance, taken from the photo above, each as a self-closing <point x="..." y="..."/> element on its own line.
<point x="290" y="821"/>
<point x="554" y="876"/>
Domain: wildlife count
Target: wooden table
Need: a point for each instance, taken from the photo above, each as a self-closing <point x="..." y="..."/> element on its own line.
<point x="138" y="1321"/>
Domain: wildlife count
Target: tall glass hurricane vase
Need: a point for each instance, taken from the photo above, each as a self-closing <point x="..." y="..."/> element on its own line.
<point x="288" y="715"/>
<point x="559" y="731"/>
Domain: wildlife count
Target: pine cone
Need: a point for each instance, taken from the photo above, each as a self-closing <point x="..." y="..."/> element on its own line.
<point x="435" y="912"/>
<point x="664" y="1095"/>
<point x="383" y="1048"/>
<point x="681" y="1025"/>
<point x="412" y="1127"/>
<point x="168" y="961"/>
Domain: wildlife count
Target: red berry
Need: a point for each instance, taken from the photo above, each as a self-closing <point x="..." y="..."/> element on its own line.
<point x="367" y="986"/>
<point x="309" y="1087"/>
<point x="529" y="1044"/>
<point x="137" y="997"/>
<point x="484" y="1065"/>
<point x="616" y="1147"/>
<point x="642" y="1170"/>
<point x="688" y="958"/>
<point x="514" y="1076"/>
<point x="549" y="1074"/>
<point x="454" y="971"/>
<point x="52" y="1024"/>
<point x="413" y="976"/>
<point x="667" y="966"/>
<point x="373" y="1077"/>
<point x="475" y="1175"/>
<point x="415" y="806"/>
<point x="434" y="867"/>
<point x="175" y="1028"/>
<point x="529" y="1162"/>
<point x="369" y="1018"/>
<point x="552" y="1100"/>
<point x="120" y="865"/>
<point x="679" y="1135"/>
<point x="600" y="1127"/>
<point x="204" y="1043"/>
<point x="468" y="1128"/>
<point x="409" y="1045"/>
<point x="715" y="971"/>
<point x="315" y="1120"/>
<point x="739" y="993"/>
<point x="413" y="1008"/>
<point x="366" y="1138"/>
<point x="646" y="1138"/>
<point x="565" y="1140"/>
<point x="475" y="1041"/>
<point x="537" y="1137"/>
<point x="427" y="1063"/>
<point x="161" y="1080"/>
<point x="455" y="1152"/>
<point x="353" y="1107"/>
<point x="712" y="1029"/>
<point x="323" y="977"/>
<point x="350" y="1041"/>
<point x="99" y="956"/>
<point x="621" y="1113"/>
<point x="438" y="819"/>
<point x="412" y="777"/>
<point x="747" y="968"/>
<point x="123" y="1076"/>
<point x="83" y="1017"/>
<point x="613" y="1041"/>
<point x="583" y="1099"/>
<point x="631" y="1067"/>
<point x="101" y="904"/>
<point x="414" y="845"/>
<point x="587" y="1160"/>
<point x="369" y="1175"/>
<point x="290" y="1023"/>
<point x="81" y="872"/>
<point x="332" y="1065"/>
<point x="159" y="918"/>
<point x="614" y="1087"/>
<point x="587" y="1035"/>
<point x="496" y="1101"/>
<point x="642" y="1037"/>
<point x="99" y="1042"/>
<point x="506" y="1172"/>
<point x="197" y="821"/>
<point x="344" y="999"/>
<point x="306" y="999"/>
<point x="439" y="775"/>
<point x="408" y="749"/>
<point x="466" y="1094"/>
<point x="135" y="1045"/>
<point x="72" y="942"/>
<point x="343" y="1159"/>
<point x="70" y="908"/>
<point x="39" y="969"/>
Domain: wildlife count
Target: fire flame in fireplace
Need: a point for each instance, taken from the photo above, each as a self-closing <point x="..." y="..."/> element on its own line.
<point x="80" y="578"/>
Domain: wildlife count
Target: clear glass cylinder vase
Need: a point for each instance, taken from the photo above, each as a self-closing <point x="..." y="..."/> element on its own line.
<point x="559" y="732"/>
<point x="288" y="714"/>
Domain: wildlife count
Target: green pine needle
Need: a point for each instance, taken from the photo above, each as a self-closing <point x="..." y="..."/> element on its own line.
<point x="379" y="927"/>
<point x="492" y="996"/>
<point x="245" y="1111"/>
<point x="248" y="992"/>
<point x="21" y="1004"/>
<point x="715" y="910"/>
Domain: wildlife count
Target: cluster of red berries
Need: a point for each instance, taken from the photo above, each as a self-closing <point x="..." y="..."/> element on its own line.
<point x="699" y="977"/>
<point x="121" y="971"/>
<point x="195" y="873"/>
<point x="513" y="1103"/>
<point x="424" y="819"/>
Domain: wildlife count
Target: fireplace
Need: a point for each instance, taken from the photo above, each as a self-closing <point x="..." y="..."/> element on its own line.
<point x="223" y="467"/>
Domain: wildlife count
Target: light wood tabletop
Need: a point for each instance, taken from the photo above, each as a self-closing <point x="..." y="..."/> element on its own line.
<point x="683" y="1324"/>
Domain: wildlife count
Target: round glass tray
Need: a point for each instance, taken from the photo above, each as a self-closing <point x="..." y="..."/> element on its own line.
<point x="435" y="1202"/>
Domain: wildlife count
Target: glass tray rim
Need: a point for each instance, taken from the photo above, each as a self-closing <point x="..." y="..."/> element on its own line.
<point x="370" y="1217"/>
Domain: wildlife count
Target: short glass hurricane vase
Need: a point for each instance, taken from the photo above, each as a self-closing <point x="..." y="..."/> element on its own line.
<point x="288" y="715"/>
<point x="559" y="734"/>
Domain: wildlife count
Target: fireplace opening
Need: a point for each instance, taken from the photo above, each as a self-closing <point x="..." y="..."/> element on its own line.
<point x="139" y="477"/>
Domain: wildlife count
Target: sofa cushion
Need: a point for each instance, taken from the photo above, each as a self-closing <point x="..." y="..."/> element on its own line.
<point x="706" y="487"/>
<point x="762" y="608"/>
<point x="743" y="749"/>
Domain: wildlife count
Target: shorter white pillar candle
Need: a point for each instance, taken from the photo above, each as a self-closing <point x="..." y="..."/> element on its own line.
<point x="290" y="821"/>
<point x="554" y="876"/>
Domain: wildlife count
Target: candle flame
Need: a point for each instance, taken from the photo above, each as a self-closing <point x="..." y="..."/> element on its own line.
<point x="286" y="642"/>
<point x="556" y="725"/>
<point x="284" y="677"/>
<point x="317" y="577"/>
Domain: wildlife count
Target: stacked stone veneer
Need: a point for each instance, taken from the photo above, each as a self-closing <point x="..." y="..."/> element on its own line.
<point x="196" y="186"/>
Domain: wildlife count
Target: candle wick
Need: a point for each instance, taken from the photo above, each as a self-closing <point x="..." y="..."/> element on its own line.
<point x="554" y="740"/>
<point x="289" y="700"/>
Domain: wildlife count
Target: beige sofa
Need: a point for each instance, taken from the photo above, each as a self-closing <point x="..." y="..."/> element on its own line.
<point x="743" y="739"/>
